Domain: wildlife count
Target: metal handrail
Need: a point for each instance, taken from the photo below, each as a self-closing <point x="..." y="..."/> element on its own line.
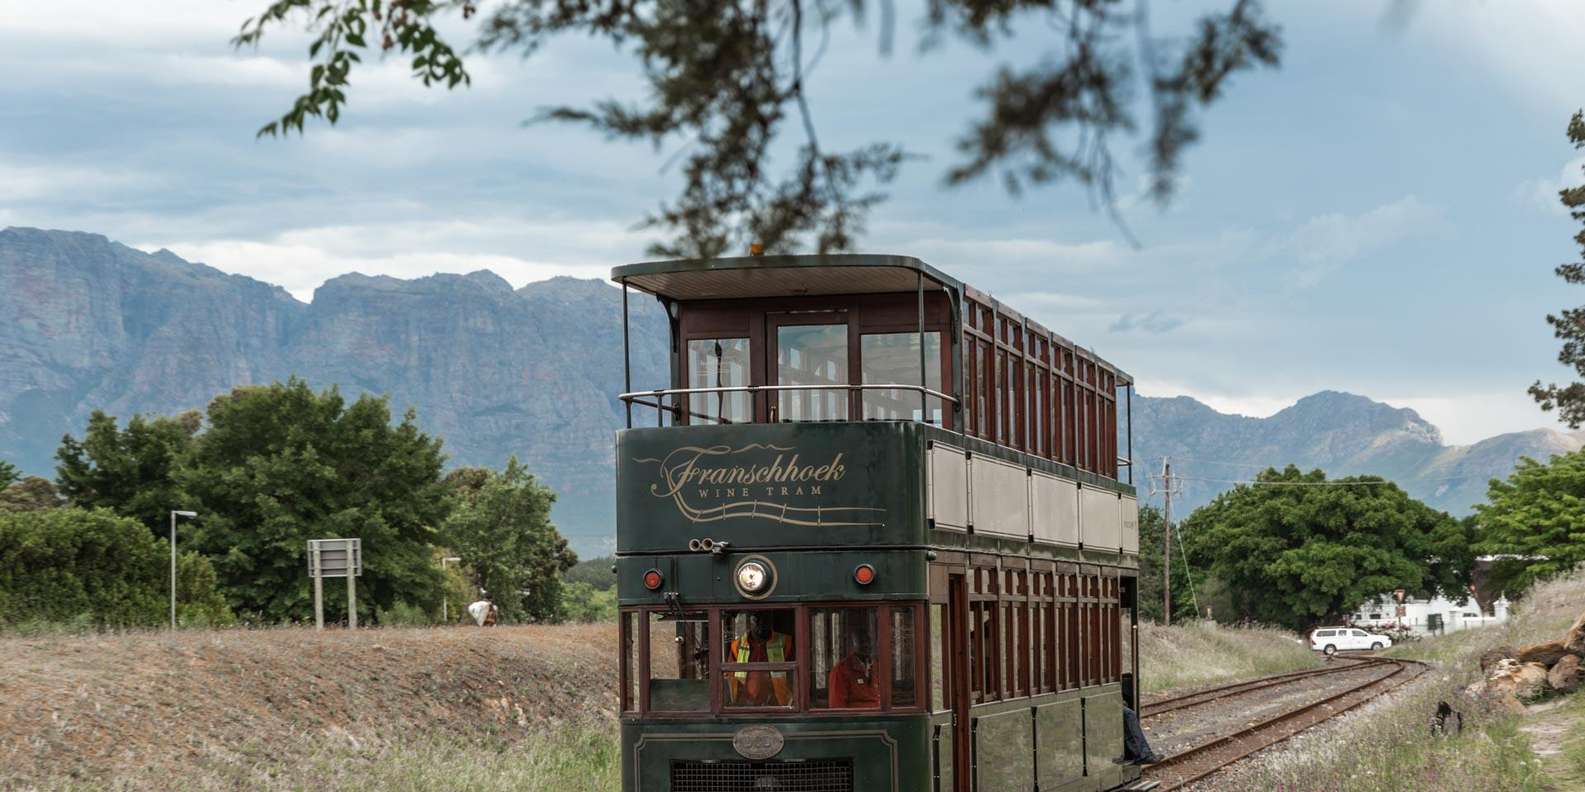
<point x="660" y="392"/>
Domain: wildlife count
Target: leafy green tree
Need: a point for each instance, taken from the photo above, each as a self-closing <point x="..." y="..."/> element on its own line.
<point x="95" y="568"/>
<point x="9" y="474"/>
<point x="1538" y="514"/>
<point x="725" y="79"/>
<point x="594" y="571"/>
<point x="129" y="471"/>
<point x="501" y="528"/>
<point x="1296" y="549"/>
<point x="1151" y="533"/>
<point x="30" y="494"/>
<point x="281" y="464"/>
<point x="584" y="603"/>
<point x="1569" y="399"/>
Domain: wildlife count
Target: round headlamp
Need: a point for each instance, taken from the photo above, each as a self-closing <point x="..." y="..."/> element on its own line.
<point x="752" y="577"/>
<point x="755" y="577"/>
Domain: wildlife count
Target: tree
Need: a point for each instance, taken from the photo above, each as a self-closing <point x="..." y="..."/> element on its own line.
<point x="594" y="571"/>
<point x="9" y="474"/>
<point x="1151" y="531"/>
<point x="30" y="494"/>
<point x="94" y="568"/>
<point x="584" y="603"/>
<point x="1296" y="549"/>
<point x="1538" y="514"/>
<point x="130" y="471"/>
<point x="281" y="464"/>
<point x="1569" y="400"/>
<point x="725" y="78"/>
<point x="501" y="528"/>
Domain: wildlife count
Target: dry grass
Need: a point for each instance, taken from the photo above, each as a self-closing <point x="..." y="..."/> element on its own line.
<point x="1204" y="653"/>
<point x="1387" y="746"/>
<point x="282" y="708"/>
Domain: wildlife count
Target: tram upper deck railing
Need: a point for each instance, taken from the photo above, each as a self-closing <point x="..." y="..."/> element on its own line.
<point x="637" y="397"/>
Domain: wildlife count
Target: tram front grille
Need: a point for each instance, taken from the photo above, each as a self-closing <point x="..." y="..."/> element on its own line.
<point x="815" y="775"/>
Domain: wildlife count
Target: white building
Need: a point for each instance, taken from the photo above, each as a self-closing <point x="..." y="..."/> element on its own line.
<point x="1427" y="616"/>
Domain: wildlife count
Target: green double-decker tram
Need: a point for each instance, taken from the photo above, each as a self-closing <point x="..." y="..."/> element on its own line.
<point x="878" y="534"/>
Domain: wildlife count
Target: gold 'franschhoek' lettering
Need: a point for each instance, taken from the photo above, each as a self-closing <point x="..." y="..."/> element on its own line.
<point x="723" y="472"/>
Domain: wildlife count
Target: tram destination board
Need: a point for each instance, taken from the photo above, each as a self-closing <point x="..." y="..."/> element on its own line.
<point x="335" y="557"/>
<point x="771" y="485"/>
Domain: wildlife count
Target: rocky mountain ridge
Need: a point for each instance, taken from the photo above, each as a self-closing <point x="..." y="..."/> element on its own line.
<point x="93" y="324"/>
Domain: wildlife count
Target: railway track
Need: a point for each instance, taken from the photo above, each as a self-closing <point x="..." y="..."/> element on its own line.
<point x="1340" y="665"/>
<point x="1195" y="763"/>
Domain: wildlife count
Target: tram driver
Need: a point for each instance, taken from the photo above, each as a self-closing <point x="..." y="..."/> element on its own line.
<point x="761" y="644"/>
<point x="851" y="683"/>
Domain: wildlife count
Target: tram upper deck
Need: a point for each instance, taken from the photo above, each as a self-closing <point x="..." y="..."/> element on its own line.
<point x="822" y="391"/>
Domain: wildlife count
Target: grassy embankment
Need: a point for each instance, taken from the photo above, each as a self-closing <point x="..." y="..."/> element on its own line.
<point x="517" y="708"/>
<point x="520" y="708"/>
<point x="1204" y="653"/>
<point x="1387" y="746"/>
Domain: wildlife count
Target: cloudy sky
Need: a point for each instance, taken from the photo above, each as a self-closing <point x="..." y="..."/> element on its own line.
<point x="1378" y="216"/>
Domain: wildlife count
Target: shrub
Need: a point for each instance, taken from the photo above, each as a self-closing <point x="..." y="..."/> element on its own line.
<point x="581" y="602"/>
<point x="95" y="569"/>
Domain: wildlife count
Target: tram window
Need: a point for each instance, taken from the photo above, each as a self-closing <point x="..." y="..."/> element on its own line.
<point x="679" y="662"/>
<point x="761" y="641"/>
<point x="629" y="677"/>
<point x="940" y="670"/>
<point x="893" y="358"/>
<point x="718" y="363"/>
<point x="1071" y="613"/>
<point x="1051" y="644"/>
<point x="905" y="688"/>
<point x="843" y="673"/>
<point x="812" y="355"/>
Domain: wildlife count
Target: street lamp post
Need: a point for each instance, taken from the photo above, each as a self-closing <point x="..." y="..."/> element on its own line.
<point x="445" y="599"/>
<point x="174" y="515"/>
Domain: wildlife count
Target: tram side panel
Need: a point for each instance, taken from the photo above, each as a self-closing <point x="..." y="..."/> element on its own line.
<point x="1068" y="740"/>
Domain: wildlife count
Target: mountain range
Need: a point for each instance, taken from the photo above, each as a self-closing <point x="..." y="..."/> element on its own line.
<point x="496" y="371"/>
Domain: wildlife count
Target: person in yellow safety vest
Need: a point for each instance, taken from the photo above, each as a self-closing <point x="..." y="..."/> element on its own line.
<point x="761" y="645"/>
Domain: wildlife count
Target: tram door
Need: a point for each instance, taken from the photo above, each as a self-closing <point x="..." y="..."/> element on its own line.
<point x="958" y="670"/>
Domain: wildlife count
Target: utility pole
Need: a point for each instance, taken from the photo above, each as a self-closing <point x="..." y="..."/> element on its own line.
<point x="1166" y="534"/>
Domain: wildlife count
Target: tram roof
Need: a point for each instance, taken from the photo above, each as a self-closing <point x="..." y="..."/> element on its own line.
<point x="743" y="277"/>
<point x="780" y="276"/>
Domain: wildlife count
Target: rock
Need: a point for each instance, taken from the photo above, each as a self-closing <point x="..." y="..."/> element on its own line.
<point x="1575" y="641"/>
<point x="1491" y="657"/>
<point x="1547" y="654"/>
<point x="1518" y="681"/>
<point x="1565" y="676"/>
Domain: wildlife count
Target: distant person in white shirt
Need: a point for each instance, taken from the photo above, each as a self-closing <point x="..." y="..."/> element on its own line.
<point x="484" y="612"/>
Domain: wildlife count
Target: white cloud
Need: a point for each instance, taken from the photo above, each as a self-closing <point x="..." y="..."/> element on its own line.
<point x="1533" y="47"/>
<point x="303" y="259"/>
<point x="1326" y="242"/>
<point x="1470" y="416"/>
<point x="1253" y="405"/>
<point x="1542" y="194"/>
<point x="28" y="182"/>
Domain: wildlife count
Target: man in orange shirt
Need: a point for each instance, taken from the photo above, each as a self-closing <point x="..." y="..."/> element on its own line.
<point x="851" y="683"/>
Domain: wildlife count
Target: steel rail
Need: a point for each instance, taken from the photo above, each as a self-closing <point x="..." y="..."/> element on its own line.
<point x="1162" y="771"/>
<point x="1209" y="695"/>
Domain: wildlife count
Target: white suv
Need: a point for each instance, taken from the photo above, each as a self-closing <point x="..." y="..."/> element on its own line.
<point x="1334" y="639"/>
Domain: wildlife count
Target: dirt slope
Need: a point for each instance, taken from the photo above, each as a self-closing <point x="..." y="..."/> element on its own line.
<point x="125" y="710"/>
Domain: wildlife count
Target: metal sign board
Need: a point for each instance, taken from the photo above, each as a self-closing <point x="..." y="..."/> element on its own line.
<point x="341" y="558"/>
<point x="334" y="557"/>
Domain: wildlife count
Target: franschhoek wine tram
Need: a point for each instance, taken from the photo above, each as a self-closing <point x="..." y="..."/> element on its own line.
<point x="873" y="537"/>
